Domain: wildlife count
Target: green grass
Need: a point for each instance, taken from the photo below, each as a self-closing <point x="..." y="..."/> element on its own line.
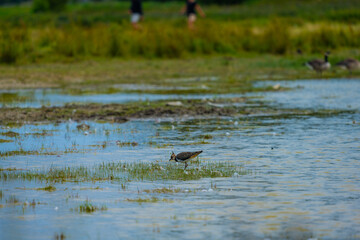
<point x="42" y="152"/>
<point x="125" y="172"/>
<point x="116" y="11"/>
<point x="88" y="207"/>
<point x="193" y="75"/>
<point x="13" y="97"/>
<point x="166" y="40"/>
<point x="102" y="30"/>
<point x="49" y="188"/>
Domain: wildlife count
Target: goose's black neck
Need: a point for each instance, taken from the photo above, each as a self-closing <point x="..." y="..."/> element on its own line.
<point x="326" y="58"/>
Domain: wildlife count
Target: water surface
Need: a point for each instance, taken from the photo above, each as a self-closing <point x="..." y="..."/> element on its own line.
<point x="303" y="179"/>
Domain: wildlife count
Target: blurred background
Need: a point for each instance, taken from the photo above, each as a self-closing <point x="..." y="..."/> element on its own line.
<point x="54" y="30"/>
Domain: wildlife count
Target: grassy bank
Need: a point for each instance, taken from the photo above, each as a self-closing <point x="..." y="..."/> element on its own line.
<point x="170" y="39"/>
<point x="215" y="74"/>
<point x="88" y="14"/>
<point x="90" y="31"/>
<point x="93" y="44"/>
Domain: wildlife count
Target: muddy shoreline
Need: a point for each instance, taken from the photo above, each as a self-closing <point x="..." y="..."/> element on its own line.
<point x="120" y="113"/>
<point x="114" y="112"/>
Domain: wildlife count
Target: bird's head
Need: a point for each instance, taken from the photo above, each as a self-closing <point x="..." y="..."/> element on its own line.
<point x="172" y="157"/>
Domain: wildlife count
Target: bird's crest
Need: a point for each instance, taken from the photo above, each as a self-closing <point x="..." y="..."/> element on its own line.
<point x="172" y="157"/>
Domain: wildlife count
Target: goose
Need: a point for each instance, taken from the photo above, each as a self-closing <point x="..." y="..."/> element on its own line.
<point x="349" y="64"/>
<point x="319" y="65"/>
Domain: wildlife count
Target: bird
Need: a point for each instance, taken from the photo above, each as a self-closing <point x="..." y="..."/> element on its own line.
<point x="184" y="157"/>
<point x="319" y="65"/>
<point x="349" y="64"/>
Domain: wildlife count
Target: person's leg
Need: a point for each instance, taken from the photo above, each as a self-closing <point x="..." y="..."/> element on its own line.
<point x="135" y="17"/>
<point x="191" y="21"/>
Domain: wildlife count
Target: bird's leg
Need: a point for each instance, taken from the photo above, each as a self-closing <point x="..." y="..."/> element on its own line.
<point x="185" y="165"/>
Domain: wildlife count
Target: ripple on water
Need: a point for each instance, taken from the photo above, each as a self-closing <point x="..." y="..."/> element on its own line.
<point x="302" y="180"/>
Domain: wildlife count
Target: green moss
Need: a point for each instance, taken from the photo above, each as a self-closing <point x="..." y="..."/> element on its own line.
<point x="5" y="141"/>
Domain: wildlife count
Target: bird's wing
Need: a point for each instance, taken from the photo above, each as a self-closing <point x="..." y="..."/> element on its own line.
<point x="187" y="155"/>
<point x="316" y="63"/>
<point x="341" y="63"/>
<point x="349" y="63"/>
<point x="184" y="155"/>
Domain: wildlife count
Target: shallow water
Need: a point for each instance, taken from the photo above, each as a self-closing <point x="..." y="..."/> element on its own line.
<point x="54" y="97"/>
<point x="312" y="94"/>
<point x="303" y="182"/>
<point x="316" y="94"/>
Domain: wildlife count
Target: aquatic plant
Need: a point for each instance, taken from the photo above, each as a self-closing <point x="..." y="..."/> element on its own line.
<point x="12" y="199"/>
<point x="125" y="172"/>
<point x="144" y="200"/>
<point x="49" y="188"/>
<point x="60" y="236"/>
<point x="126" y="144"/>
<point x="149" y="200"/>
<point x="163" y="190"/>
<point x="10" y="134"/>
<point x="88" y="207"/>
